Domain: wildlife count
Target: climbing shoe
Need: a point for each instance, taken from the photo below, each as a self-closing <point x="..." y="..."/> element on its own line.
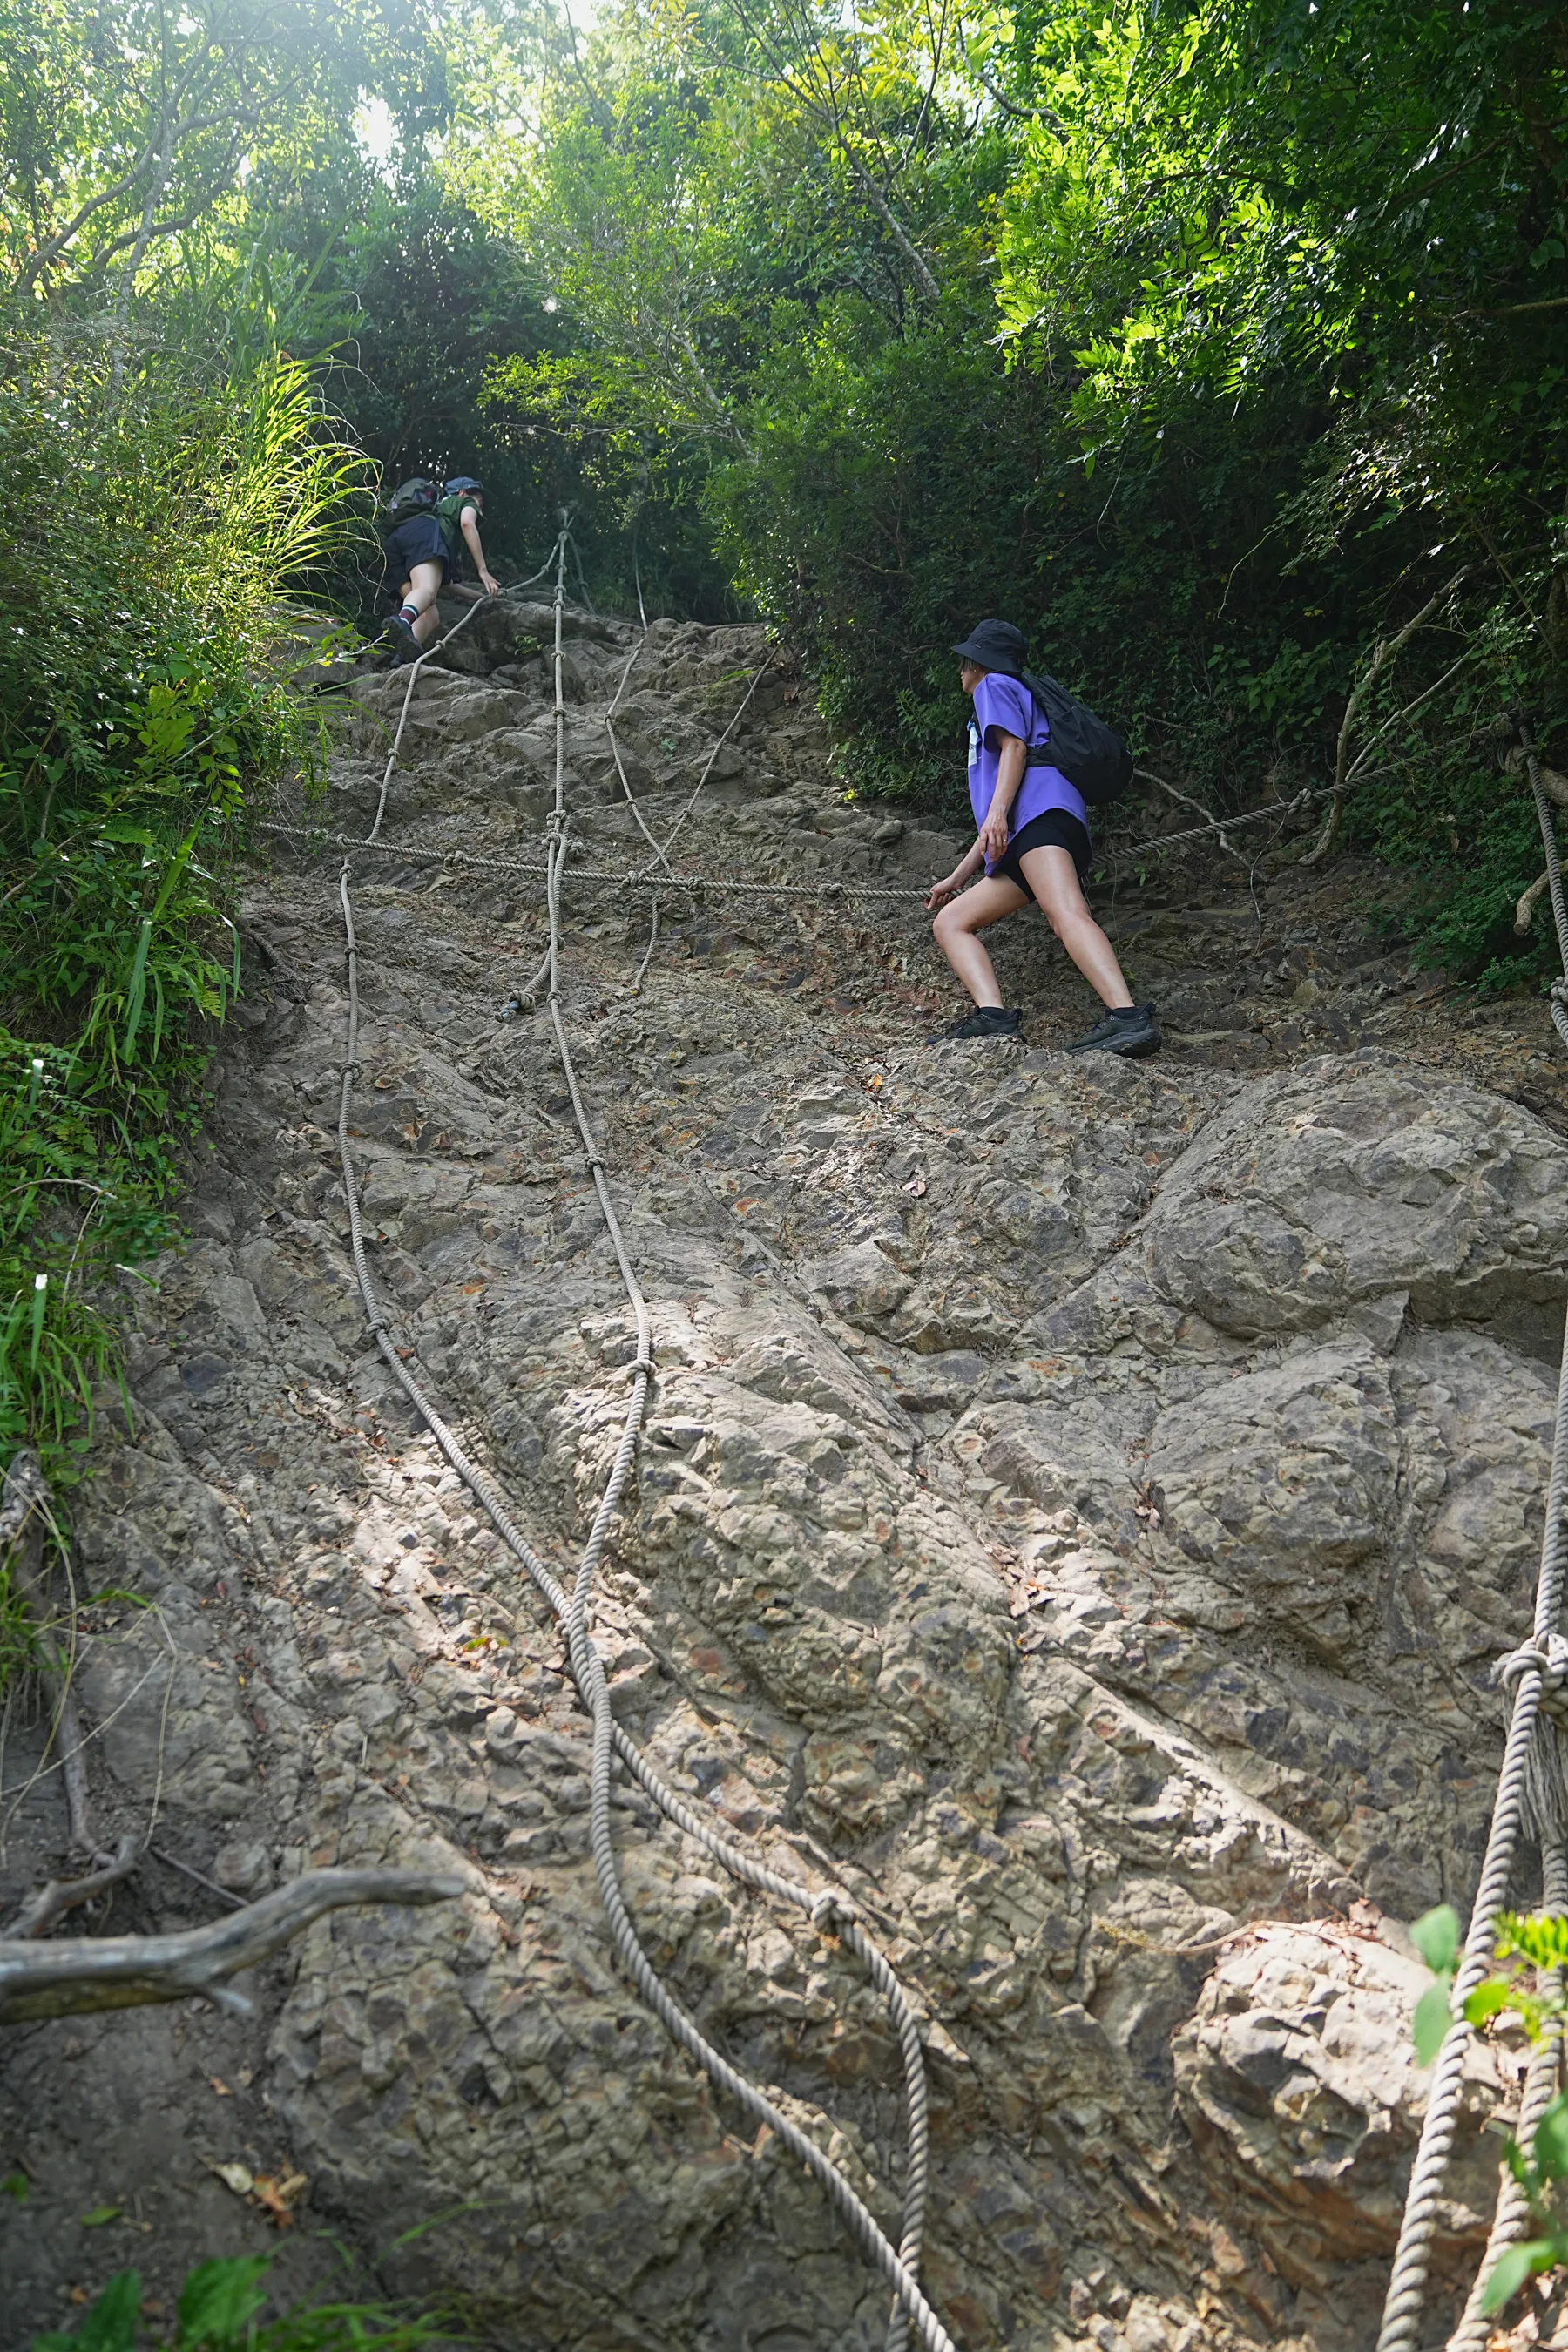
<point x="1131" y="1030"/>
<point x="986" y="1020"/>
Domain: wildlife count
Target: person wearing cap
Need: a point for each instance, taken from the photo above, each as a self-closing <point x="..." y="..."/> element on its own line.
<point x="428" y="545"/>
<point x="1033" y="844"/>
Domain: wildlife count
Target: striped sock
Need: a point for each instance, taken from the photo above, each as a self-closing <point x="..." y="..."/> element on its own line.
<point x="410" y="613"/>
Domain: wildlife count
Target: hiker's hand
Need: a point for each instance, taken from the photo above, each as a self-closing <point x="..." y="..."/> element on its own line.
<point x="941" y="892"/>
<point x="490" y="583"/>
<point x="994" y="836"/>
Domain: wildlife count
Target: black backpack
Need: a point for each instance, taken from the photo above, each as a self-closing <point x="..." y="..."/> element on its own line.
<point x="414" y="496"/>
<point x="1090" y="754"/>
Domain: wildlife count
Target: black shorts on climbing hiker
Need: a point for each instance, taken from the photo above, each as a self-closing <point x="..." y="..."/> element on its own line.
<point x="418" y="539"/>
<point x="1036" y="760"/>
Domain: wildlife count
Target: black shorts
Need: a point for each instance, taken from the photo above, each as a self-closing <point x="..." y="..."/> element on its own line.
<point x="1055" y="829"/>
<point x="417" y="541"/>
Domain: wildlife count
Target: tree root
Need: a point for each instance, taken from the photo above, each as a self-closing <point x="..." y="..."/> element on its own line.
<point x="62" y="1895"/>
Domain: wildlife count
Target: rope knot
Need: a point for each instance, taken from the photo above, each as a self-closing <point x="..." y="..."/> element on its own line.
<point x="830" y="1908"/>
<point x="1558" y="992"/>
<point x="1549" y="1660"/>
<point x="639" y="1364"/>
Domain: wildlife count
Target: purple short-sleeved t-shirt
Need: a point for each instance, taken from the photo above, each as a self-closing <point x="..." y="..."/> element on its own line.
<point x="1005" y="706"/>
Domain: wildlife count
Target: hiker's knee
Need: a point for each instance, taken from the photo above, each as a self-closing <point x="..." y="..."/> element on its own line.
<point x="949" y="925"/>
<point x="1063" y="906"/>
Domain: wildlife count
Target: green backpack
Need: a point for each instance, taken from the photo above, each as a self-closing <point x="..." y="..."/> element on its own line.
<point x="414" y="496"/>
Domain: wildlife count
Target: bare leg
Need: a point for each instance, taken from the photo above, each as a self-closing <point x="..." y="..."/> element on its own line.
<point x="421" y="590"/>
<point x="988" y="901"/>
<point x="1053" y="879"/>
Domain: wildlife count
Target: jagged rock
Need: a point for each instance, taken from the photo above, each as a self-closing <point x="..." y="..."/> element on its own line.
<point x="1330" y="1186"/>
<point x="1296" y="2077"/>
<point x="1078" y="1510"/>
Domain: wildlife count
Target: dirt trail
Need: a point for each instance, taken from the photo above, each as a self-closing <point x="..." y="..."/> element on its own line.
<point x="1078" y="1510"/>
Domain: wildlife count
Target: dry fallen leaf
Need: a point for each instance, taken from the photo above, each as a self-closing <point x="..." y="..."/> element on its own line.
<point x="279" y="2197"/>
<point x="220" y="2086"/>
<point x="237" y="2177"/>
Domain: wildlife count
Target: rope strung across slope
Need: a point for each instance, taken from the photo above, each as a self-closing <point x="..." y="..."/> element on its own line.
<point x="704" y="883"/>
<point x="705" y="880"/>
<point x="832" y="1912"/>
<point x="1528" y="1671"/>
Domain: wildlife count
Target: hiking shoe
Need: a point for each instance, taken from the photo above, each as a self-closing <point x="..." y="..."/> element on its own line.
<point x="398" y="639"/>
<point x="986" y="1020"/>
<point x="1132" y="1030"/>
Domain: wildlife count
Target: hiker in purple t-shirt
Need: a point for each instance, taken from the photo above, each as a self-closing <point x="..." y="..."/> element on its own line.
<point x="1033" y="842"/>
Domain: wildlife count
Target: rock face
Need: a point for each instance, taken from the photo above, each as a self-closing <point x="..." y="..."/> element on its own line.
<point x="1294" y="2076"/>
<point x="1078" y="1511"/>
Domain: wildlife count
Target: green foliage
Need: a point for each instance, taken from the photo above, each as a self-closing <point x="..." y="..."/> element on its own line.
<point x="217" y="2302"/>
<point x="218" y="2311"/>
<point x="120" y="130"/>
<point x="1206" y="345"/>
<point x="1437" y="1938"/>
<point x="153" y="523"/>
<point x="110" y="2326"/>
<point x="1533" y="1992"/>
<point x="1540" y="1938"/>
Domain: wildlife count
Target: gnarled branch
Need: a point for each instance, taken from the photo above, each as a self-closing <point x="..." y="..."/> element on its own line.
<point x="96" y="1972"/>
<point x="1524" y="913"/>
<point x="99" y="1972"/>
<point x="1382" y="655"/>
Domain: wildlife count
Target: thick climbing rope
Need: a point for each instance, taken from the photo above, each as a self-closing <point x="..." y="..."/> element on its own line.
<point x="831" y="1911"/>
<point x="1533" y="1671"/>
<point x="1477" y="2325"/>
<point x="704" y="884"/>
<point x="708" y="763"/>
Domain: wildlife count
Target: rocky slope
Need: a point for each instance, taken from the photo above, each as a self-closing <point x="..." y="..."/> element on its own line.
<point x="1079" y="1509"/>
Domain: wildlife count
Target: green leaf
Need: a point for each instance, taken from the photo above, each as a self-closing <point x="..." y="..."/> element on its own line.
<point x="1429" y="2026"/>
<point x="109" y="2326"/>
<point x="1436" y="1935"/>
<point x="1549" y="2149"/>
<point x="99" y="2216"/>
<point x="1487" y="1999"/>
<point x="14" y="2185"/>
<point x="1514" y="2267"/>
<point x="218" y="2302"/>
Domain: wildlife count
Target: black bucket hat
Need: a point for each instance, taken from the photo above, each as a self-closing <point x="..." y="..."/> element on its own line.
<point x="996" y="644"/>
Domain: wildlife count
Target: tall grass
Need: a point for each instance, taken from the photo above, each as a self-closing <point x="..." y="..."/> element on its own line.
<point x="155" y="528"/>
